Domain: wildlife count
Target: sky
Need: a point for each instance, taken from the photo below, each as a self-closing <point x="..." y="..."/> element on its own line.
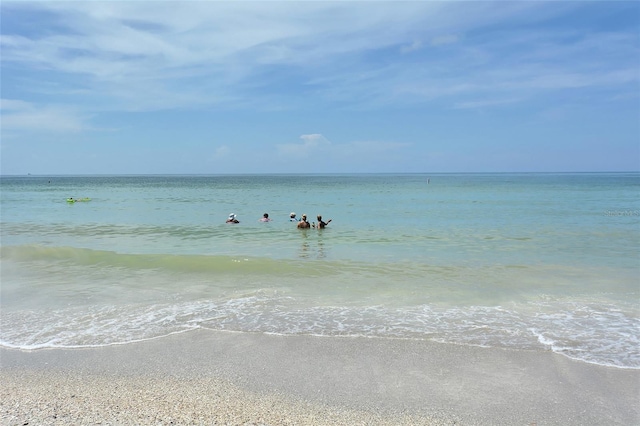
<point x="164" y="87"/>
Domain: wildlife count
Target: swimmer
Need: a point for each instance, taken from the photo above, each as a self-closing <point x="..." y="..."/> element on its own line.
<point x="265" y="218"/>
<point x="322" y="224"/>
<point x="303" y="224"/>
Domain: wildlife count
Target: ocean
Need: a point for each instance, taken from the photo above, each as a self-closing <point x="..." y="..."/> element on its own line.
<point x="536" y="262"/>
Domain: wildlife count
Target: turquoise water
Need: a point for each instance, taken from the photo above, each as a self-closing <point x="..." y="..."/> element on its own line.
<point x="524" y="261"/>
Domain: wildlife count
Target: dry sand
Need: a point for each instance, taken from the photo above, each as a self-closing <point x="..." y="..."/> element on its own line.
<point x="210" y="378"/>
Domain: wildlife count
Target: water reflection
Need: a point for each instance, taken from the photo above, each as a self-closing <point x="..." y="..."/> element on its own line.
<point x="313" y="244"/>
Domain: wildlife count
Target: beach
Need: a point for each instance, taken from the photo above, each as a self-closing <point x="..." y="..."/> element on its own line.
<point x="466" y="299"/>
<point x="213" y="377"/>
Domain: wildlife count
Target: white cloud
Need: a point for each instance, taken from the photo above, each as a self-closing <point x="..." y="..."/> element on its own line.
<point x="15" y="105"/>
<point x="145" y="57"/>
<point x="21" y="115"/>
<point x="142" y="56"/>
<point x="310" y="143"/>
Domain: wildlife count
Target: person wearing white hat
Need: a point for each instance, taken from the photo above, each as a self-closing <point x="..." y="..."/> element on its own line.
<point x="292" y="217"/>
<point x="232" y="218"/>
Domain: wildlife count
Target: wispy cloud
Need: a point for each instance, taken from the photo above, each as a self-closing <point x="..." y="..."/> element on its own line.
<point x="136" y="57"/>
<point x="25" y="116"/>
<point x="308" y="147"/>
<point x="132" y="52"/>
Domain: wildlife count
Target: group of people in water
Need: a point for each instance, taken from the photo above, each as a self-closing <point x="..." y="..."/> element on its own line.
<point x="303" y="223"/>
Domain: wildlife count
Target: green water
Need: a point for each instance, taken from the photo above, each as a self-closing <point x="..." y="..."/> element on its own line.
<point x="531" y="261"/>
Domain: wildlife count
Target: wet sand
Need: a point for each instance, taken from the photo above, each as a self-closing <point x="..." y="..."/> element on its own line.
<point x="209" y="377"/>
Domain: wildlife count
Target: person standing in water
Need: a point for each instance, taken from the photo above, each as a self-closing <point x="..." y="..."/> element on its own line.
<point x="303" y="224"/>
<point x="322" y="224"/>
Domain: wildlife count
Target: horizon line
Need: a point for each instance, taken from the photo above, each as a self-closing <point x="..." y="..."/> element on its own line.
<point x="311" y="173"/>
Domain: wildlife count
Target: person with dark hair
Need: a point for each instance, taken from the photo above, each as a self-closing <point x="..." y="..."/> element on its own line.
<point x="322" y="224"/>
<point x="265" y="218"/>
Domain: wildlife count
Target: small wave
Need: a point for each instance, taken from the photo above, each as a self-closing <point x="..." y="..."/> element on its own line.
<point x="168" y="262"/>
<point x="602" y="336"/>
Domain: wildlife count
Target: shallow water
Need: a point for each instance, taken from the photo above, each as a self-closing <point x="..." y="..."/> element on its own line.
<point x="529" y="261"/>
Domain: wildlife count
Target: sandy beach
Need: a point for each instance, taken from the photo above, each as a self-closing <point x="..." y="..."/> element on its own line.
<point x="208" y="377"/>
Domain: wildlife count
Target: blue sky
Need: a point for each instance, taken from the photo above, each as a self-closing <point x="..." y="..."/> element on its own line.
<point x="135" y="87"/>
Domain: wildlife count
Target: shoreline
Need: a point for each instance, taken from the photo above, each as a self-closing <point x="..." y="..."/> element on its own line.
<point x="217" y="377"/>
